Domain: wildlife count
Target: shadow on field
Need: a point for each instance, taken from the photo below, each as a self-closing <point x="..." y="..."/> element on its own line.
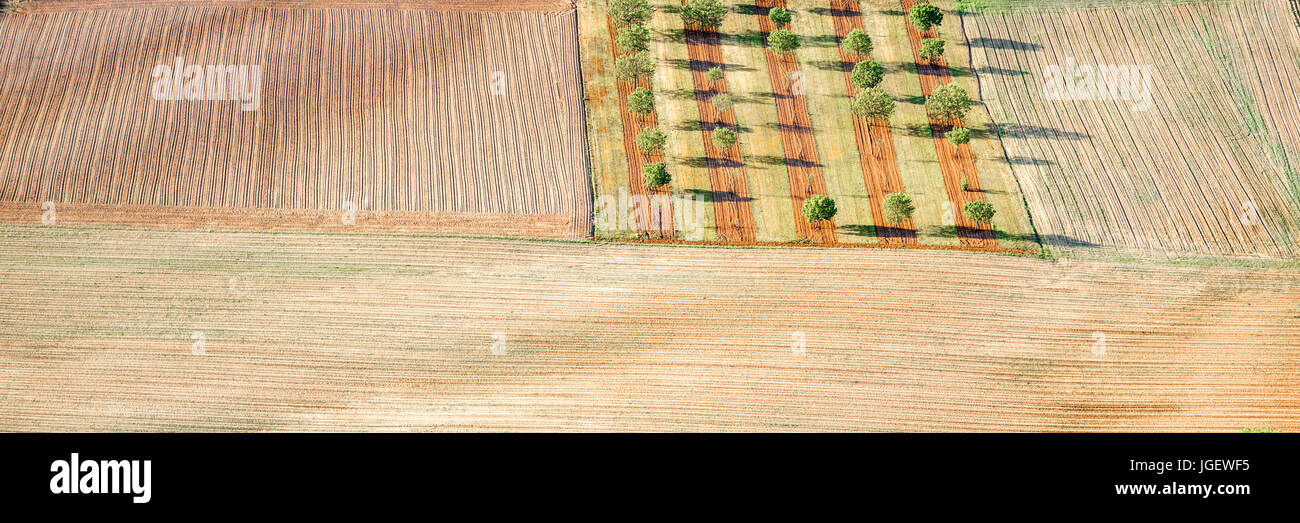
<point x="1002" y="43"/>
<point x="1034" y="131"/>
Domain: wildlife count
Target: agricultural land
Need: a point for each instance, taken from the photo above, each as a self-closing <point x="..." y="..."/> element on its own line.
<point x="650" y="215"/>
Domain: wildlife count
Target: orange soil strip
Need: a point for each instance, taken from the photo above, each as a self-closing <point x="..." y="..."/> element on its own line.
<point x="731" y="210"/>
<point x="955" y="162"/>
<point x="875" y="142"/>
<point x="284" y="220"/>
<point x="656" y="224"/>
<point x="801" y="161"/>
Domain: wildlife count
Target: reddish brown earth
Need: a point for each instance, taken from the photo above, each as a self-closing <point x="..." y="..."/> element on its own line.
<point x="655" y="219"/>
<point x="385" y="110"/>
<point x="732" y="213"/>
<point x="801" y="161"/>
<point x="954" y="162"/>
<point x="875" y="142"/>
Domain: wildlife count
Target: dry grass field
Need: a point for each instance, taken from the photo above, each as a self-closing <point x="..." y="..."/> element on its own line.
<point x="449" y="110"/>
<point x="371" y="332"/>
<point x="1208" y="168"/>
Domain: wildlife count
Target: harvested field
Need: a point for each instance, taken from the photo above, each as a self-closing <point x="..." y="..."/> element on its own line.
<point x="1206" y="164"/>
<point x="730" y="188"/>
<point x="442" y="5"/>
<point x="382" y="107"/>
<point x="801" y="160"/>
<point x="955" y="162"/>
<point x="875" y="142"/>
<point x="375" y="332"/>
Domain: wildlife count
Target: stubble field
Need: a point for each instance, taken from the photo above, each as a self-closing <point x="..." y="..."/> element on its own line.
<point x="367" y="332"/>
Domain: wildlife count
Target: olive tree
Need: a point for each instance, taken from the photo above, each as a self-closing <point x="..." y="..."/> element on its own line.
<point x="724" y="138"/>
<point x="651" y="140"/>
<point x="782" y="41"/>
<point x="634" y="66"/>
<point x="925" y="16"/>
<point x="634" y="38"/>
<point x="949" y="102"/>
<point x="873" y="103"/>
<point x="931" y="49"/>
<point x="979" y="212"/>
<point x="779" y="16"/>
<point x="959" y="136"/>
<point x="867" y="74"/>
<point x="706" y="13"/>
<point x="630" y="12"/>
<point x="656" y="175"/>
<point x="898" y="207"/>
<point x="858" y="43"/>
<point x="641" y="101"/>
<point x="819" y="207"/>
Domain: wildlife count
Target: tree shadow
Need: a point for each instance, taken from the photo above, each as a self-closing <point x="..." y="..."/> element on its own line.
<point x="999" y="71"/>
<point x="1034" y="131"/>
<point x="1035" y="162"/>
<point x="1003" y="43"/>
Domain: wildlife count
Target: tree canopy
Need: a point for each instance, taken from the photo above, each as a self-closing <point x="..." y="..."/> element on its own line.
<point x="707" y="13"/>
<point x="867" y="74"/>
<point x="634" y="38"/>
<point x="925" y="16"/>
<point x="978" y="212"/>
<point x="959" y="136"/>
<point x="630" y="12"/>
<point x="873" y="103"/>
<point x="651" y="139"/>
<point x="931" y="49"/>
<point x="779" y="16"/>
<point x="634" y="66"/>
<point x="641" y="101"/>
<point x="819" y="207"/>
<point x="858" y="42"/>
<point x="898" y="207"/>
<point x="949" y="102"/>
<point x="656" y="175"/>
<point x="724" y="138"/>
<point x="782" y="41"/>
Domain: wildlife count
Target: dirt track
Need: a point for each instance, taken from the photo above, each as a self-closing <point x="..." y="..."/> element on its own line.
<point x="732" y="213"/>
<point x="955" y="162"/>
<point x="801" y="161"/>
<point x="656" y="219"/>
<point x="366" y="332"/>
<point x="875" y="143"/>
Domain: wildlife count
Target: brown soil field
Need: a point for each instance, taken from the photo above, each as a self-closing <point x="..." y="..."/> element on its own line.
<point x="875" y="142"/>
<point x="391" y="107"/>
<point x="955" y="162"/>
<point x="1207" y="165"/>
<point x="801" y="161"/>
<point x="731" y="202"/>
<point x="444" y="5"/>
<point x="656" y="218"/>
<point x="100" y="332"/>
